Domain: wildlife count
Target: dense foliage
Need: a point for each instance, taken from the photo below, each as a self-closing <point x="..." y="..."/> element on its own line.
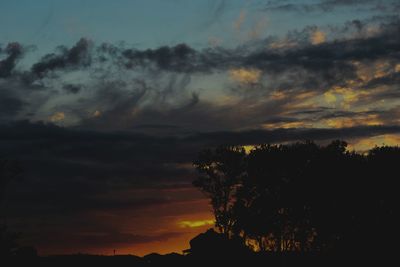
<point x="302" y="196"/>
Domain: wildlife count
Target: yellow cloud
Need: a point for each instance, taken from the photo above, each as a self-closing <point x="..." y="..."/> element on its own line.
<point x="57" y="117"/>
<point x="340" y="122"/>
<point x="381" y="69"/>
<point x="318" y="37"/>
<point x="247" y="76"/>
<point x="330" y="97"/>
<point x="391" y="140"/>
<point x="369" y="120"/>
<point x="286" y="125"/>
<point x="195" y="224"/>
<point x="283" y="44"/>
<point x="248" y="148"/>
<point x="305" y="95"/>
<point x="277" y="95"/>
<point x="367" y="72"/>
<point x="397" y="68"/>
<point x="344" y="96"/>
<point x="349" y="96"/>
<point x="370" y="142"/>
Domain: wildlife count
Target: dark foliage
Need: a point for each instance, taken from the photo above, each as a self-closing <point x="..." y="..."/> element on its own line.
<point x="303" y="197"/>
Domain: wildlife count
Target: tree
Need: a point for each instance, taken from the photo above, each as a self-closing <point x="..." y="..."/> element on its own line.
<point x="220" y="172"/>
<point x="271" y="191"/>
<point x="303" y="196"/>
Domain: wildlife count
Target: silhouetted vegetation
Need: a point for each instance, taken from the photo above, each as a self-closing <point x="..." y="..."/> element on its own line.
<point x="298" y="204"/>
<point x="302" y="197"/>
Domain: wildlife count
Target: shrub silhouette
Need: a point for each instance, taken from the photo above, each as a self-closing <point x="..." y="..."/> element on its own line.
<point x="213" y="244"/>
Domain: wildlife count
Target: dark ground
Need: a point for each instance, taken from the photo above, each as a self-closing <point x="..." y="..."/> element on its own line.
<point x="250" y="259"/>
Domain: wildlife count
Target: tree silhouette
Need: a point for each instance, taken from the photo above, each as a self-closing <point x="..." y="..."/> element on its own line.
<point x="303" y="196"/>
<point x="272" y="195"/>
<point x="220" y="172"/>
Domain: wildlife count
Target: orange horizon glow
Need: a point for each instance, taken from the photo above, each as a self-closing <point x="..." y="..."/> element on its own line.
<point x="186" y="218"/>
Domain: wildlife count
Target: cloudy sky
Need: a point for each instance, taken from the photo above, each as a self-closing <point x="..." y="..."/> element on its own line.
<point x="106" y="103"/>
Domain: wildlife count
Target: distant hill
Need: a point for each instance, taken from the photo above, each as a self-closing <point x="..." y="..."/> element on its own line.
<point x="207" y="249"/>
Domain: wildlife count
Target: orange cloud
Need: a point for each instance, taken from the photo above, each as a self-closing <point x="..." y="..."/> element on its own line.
<point x="57" y="117"/>
<point x="367" y="72"/>
<point x="344" y="96"/>
<point x="245" y="76"/>
<point x="369" y="120"/>
<point x="277" y="95"/>
<point x="318" y="37"/>
<point x="283" y="44"/>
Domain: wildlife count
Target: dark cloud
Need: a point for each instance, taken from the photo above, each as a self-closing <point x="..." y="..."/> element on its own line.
<point x="156" y="126"/>
<point x="329" y="5"/>
<point x="13" y="52"/>
<point x="313" y="111"/>
<point x="154" y="84"/>
<point x="10" y="104"/>
<point x="168" y="70"/>
<point x="183" y="58"/>
<point x="331" y="56"/>
<point x="284" y="135"/>
<point x="114" y="147"/>
<point x="72" y="88"/>
<point x="281" y="119"/>
<point x="179" y="58"/>
<point x="149" y="92"/>
<point x="346" y="114"/>
<point x="95" y="167"/>
<point x="386" y="80"/>
<point x="319" y="66"/>
<point x="79" y="55"/>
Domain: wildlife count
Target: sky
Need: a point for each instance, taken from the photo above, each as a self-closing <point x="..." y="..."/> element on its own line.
<point x="105" y="104"/>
